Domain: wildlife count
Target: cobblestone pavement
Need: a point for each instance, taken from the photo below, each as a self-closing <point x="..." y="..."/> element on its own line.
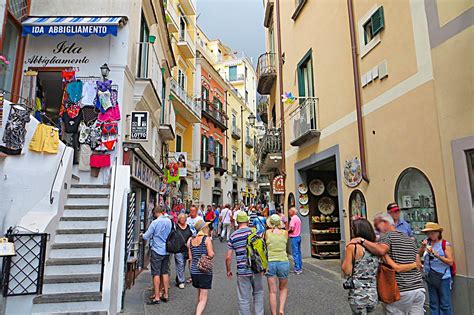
<point x="314" y="292"/>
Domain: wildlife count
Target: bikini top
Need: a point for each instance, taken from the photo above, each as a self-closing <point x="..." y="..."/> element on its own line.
<point x="74" y="90"/>
<point x="104" y="85"/>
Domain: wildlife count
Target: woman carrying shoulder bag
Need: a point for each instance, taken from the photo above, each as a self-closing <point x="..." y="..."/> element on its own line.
<point x="361" y="267"/>
<point x="201" y="254"/>
<point x="439" y="268"/>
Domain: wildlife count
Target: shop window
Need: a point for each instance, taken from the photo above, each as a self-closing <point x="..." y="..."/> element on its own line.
<point x="305" y="75"/>
<point x="414" y="194"/>
<point x="470" y="169"/>
<point x="370" y="27"/>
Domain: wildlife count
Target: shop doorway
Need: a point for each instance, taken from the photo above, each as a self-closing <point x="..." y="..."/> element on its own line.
<point x="318" y="201"/>
<point x="49" y="90"/>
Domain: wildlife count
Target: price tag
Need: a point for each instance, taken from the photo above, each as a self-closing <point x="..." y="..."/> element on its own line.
<point x="6" y="248"/>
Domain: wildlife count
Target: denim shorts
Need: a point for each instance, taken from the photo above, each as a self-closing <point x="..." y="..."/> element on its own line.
<point x="279" y="269"/>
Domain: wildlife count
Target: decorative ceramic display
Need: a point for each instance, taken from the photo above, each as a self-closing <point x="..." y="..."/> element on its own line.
<point x="303" y="188"/>
<point x="303" y="199"/>
<point x="352" y="172"/>
<point x="316" y="187"/>
<point x="304" y="210"/>
<point x="357" y="205"/>
<point x="332" y="188"/>
<point x="326" y="205"/>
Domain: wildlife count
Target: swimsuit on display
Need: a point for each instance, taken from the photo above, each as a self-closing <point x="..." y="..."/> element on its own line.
<point x="89" y="94"/>
<point x="85" y="158"/>
<point x="104" y="99"/>
<point x="84" y="133"/>
<point x="95" y="136"/>
<point x="73" y="110"/>
<point x="104" y="85"/>
<point x="68" y="75"/>
<point x="71" y="124"/>
<point x="15" y="131"/>
<point x="110" y="128"/>
<point x="74" y="89"/>
<point x="113" y="114"/>
<point x="89" y="114"/>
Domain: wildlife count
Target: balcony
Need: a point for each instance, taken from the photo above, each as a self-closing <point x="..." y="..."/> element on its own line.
<point x="172" y="17"/>
<point x="221" y="164"/>
<point x="186" y="44"/>
<point x="185" y="105"/>
<point x="236" y="170"/>
<point x="266" y="73"/>
<point x="149" y="82"/>
<point x="207" y="159"/>
<point x="215" y="115"/>
<point x="269" y="152"/>
<point x="303" y="122"/>
<point x="249" y="176"/>
<point x="168" y="122"/>
<point x="249" y="142"/>
<point x="262" y="110"/>
<point x="263" y="182"/>
<point x="236" y="134"/>
<point x="235" y="77"/>
<point x="188" y="6"/>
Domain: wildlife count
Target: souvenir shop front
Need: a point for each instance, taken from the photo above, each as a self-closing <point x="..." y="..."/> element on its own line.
<point x="145" y="177"/>
<point x="67" y="76"/>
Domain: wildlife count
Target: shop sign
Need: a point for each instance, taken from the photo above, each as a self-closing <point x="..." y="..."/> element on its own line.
<point x="278" y="185"/>
<point x="352" y="172"/>
<point x="70" y="30"/>
<point x="139" y="125"/>
<point x="141" y="171"/>
<point x="181" y="158"/>
<point x="197" y="180"/>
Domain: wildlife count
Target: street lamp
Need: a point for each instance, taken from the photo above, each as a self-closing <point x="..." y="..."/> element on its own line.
<point x="104" y="70"/>
<point x="252" y="119"/>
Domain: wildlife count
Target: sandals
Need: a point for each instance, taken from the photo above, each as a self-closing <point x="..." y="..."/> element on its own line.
<point x="153" y="302"/>
<point x="164" y="299"/>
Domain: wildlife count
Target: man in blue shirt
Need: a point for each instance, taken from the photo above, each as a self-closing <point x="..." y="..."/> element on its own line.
<point x="158" y="232"/>
<point x="401" y="225"/>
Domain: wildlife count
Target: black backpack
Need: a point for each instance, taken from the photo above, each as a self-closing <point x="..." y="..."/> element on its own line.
<point x="175" y="241"/>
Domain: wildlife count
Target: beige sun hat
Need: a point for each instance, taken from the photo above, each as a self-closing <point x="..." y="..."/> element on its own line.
<point x="274" y="221"/>
<point x="431" y="227"/>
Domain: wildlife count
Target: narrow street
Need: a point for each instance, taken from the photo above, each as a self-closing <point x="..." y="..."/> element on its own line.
<point x="313" y="292"/>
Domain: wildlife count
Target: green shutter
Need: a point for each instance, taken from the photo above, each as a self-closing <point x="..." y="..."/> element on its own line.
<point x="377" y="20"/>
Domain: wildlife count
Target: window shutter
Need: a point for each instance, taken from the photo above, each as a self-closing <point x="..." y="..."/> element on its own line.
<point x="377" y="20"/>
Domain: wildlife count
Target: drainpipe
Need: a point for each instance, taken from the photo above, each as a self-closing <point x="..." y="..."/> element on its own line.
<point x="280" y="83"/>
<point x="355" y="70"/>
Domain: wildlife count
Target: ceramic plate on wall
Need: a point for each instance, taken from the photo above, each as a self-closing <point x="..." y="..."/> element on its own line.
<point x="316" y="187"/>
<point x="303" y="199"/>
<point x="326" y="205"/>
<point x="304" y="210"/>
<point x="332" y="188"/>
<point x="303" y="188"/>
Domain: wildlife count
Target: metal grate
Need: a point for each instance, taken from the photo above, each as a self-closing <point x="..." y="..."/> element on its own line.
<point x="18" y="8"/>
<point x="131" y="221"/>
<point x="23" y="273"/>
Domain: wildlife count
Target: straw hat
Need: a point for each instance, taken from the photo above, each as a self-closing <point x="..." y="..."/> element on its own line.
<point x="432" y="226"/>
<point x="200" y="224"/>
<point x="242" y="217"/>
<point x="274" y="221"/>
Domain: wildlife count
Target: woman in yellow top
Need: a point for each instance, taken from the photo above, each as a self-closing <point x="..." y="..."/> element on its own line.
<point x="278" y="265"/>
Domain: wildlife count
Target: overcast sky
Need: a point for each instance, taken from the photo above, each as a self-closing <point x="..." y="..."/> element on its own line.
<point x="237" y="23"/>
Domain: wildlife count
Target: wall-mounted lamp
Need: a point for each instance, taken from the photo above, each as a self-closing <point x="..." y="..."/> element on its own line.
<point x="104" y="70"/>
<point x="252" y="119"/>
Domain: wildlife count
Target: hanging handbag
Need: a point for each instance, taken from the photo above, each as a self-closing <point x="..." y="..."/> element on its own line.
<point x="387" y="286"/>
<point x="205" y="263"/>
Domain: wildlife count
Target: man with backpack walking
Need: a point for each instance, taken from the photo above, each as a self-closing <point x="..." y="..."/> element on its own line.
<point x="249" y="267"/>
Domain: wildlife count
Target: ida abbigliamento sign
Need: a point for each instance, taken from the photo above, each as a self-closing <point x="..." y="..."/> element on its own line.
<point x="139" y="125"/>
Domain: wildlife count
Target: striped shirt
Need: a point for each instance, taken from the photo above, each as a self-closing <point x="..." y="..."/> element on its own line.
<point x="197" y="252"/>
<point x="403" y="251"/>
<point x="238" y="243"/>
<point x="253" y="215"/>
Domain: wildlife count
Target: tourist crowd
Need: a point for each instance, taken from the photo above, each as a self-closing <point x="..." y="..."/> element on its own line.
<point x="383" y="264"/>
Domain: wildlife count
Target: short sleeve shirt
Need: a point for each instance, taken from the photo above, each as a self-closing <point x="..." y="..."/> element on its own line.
<point x="238" y="243"/>
<point x="295" y="226"/>
<point x="404" y="227"/>
<point x="158" y="231"/>
<point x="402" y="249"/>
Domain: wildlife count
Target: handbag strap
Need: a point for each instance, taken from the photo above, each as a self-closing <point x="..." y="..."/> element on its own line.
<point x="354" y="259"/>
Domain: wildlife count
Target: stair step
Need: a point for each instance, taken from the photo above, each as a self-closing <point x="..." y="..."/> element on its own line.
<point x="59" y="288"/>
<point x="81" y="231"/>
<point x="64" y="225"/>
<point x="68" y="297"/>
<point x="76" y="253"/>
<point x="90" y="186"/>
<point x="67" y="270"/>
<point x="85" y="190"/>
<point x="86" y="213"/>
<point x="70" y="308"/>
<point x="73" y="261"/>
<point x="86" y="207"/>
<point x="87" y="201"/>
<point x="79" y="238"/>
<point x="90" y="195"/>
<point x="77" y="245"/>
<point x="76" y="278"/>
<point x="83" y="218"/>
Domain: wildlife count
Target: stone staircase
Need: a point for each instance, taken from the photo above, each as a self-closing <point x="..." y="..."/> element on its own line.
<point x="72" y="276"/>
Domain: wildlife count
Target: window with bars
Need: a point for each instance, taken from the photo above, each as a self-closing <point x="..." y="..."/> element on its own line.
<point x="18" y="8"/>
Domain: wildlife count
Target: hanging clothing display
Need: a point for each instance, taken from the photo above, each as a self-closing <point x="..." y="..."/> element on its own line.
<point x="89" y="114"/>
<point x="113" y="114"/>
<point x="89" y="94"/>
<point x="104" y="101"/>
<point x="74" y="90"/>
<point x="71" y="124"/>
<point x="15" y="129"/>
<point x="45" y="139"/>
<point x="100" y="160"/>
<point x="85" y="158"/>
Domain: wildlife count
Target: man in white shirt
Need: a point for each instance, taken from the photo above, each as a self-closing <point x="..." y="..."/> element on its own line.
<point x="225" y="219"/>
<point x="193" y="218"/>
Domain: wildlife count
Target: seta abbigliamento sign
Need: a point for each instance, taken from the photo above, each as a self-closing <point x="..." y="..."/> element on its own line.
<point x="139" y="122"/>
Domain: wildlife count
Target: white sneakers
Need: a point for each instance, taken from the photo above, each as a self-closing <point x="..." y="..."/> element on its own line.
<point x="181" y="286"/>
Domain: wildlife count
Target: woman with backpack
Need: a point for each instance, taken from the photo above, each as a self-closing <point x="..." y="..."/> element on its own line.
<point x="439" y="268"/>
<point x="201" y="254"/>
<point x="276" y="239"/>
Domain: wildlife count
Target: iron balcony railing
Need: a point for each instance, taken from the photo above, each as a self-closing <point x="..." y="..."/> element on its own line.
<point x="270" y="143"/>
<point x="221" y="163"/>
<point x="215" y="114"/>
<point x="207" y="158"/>
<point x="249" y="142"/>
<point x="236" y="133"/>
<point x="266" y="64"/>
<point x="185" y="37"/>
<point x="303" y="120"/>
<point x="185" y="98"/>
<point x="237" y="170"/>
<point x="148" y="67"/>
<point x="250" y="175"/>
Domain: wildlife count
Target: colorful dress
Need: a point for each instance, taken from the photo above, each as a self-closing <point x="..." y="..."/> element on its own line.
<point x="364" y="296"/>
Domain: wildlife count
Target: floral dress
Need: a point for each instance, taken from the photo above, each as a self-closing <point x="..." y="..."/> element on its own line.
<point x="364" y="297"/>
<point x="15" y="131"/>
